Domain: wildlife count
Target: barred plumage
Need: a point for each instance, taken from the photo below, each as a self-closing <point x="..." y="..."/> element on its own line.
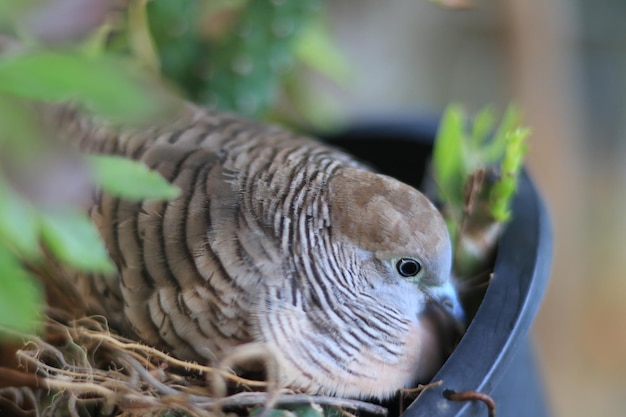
<point x="276" y="239"/>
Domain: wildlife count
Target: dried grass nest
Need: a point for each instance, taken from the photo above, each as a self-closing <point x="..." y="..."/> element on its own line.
<point x="82" y="368"/>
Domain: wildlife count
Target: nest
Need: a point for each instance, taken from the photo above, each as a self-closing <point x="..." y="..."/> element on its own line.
<point x="80" y="367"/>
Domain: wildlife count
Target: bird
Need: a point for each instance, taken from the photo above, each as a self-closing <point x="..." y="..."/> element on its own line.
<point x="277" y="239"/>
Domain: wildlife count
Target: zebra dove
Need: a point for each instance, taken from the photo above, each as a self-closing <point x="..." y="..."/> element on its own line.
<point x="276" y="239"/>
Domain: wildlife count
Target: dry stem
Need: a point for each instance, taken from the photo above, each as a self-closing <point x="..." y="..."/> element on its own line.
<point x="82" y="364"/>
<point x="473" y="396"/>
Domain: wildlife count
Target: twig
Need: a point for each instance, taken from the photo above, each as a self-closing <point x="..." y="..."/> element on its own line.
<point x="188" y="366"/>
<point x="72" y="406"/>
<point x="472" y="396"/>
<point x="255" y="398"/>
<point x="147" y="376"/>
<point x="421" y="387"/>
<point x="412" y="393"/>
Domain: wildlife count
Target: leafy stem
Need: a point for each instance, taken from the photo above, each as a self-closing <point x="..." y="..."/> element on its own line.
<point x="476" y="167"/>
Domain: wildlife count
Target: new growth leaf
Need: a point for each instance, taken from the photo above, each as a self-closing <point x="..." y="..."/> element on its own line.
<point x="476" y="165"/>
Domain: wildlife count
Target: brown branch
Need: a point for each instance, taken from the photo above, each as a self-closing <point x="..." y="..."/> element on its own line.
<point x="472" y="396"/>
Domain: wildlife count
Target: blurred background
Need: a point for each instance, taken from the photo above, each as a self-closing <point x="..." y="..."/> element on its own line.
<point x="564" y="62"/>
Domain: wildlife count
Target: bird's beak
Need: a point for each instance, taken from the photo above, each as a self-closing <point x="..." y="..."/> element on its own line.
<point x="446" y="297"/>
<point x="445" y="316"/>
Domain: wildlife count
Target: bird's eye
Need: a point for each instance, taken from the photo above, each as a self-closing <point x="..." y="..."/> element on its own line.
<point x="408" y="267"/>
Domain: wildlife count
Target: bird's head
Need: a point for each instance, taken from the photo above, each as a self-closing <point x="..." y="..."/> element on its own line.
<point x="360" y="326"/>
<point x="399" y="230"/>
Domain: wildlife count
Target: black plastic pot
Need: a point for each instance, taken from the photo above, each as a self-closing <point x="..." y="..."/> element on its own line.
<point x="494" y="356"/>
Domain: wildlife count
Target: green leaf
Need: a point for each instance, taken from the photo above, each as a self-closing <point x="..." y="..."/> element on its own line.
<point x="139" y="36"/>
<point x="448" y="155"/>
<point x="510" y="167"/>
<point x="18" y="222"/>
<point x="502" y="193"/>
<point x="315" y="48"/>
<point x="515" y="150"/>
<point x="10" y="9"/>
<point x="21" y="298"/>
<point x="18" y="141"/>
<point x="130" y="179"/>
<point x="104" y="84"/>
<point x="482" y="126"/>
<point x="94" y="44"/>
<point x="18" y="129"/>
<point x="74" y="240"/>
<point x="510" y="121"/>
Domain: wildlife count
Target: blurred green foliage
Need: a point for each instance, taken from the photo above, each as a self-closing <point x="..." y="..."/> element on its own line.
<point x="121" y="65"/>
<point x="30" y="226"/>
<point x="129" y="180"/>
<point x="247" y="63"/>
<point x="101" y="83"/>
<point x="21" y="297"/>
<point x="243" y="55"/>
